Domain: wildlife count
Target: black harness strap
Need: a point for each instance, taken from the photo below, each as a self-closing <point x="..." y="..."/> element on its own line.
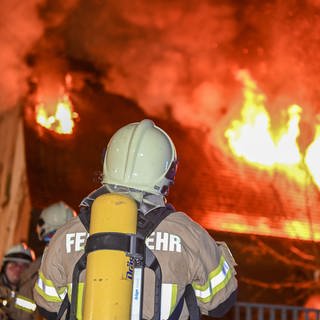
<point x="188" y="296"/>
<point x="130" y="243"/>
<point x="79" y="267"/>
<point x="46" y="314"/>
<point x="85" y="206"/>
<point x="177" y="310"/>
<point x="191" y="301"/>
<point x="64" y="306"/>
<point x="152" y="263"/>
<point x="146" y="225"/>
<point x="84" y="217"/>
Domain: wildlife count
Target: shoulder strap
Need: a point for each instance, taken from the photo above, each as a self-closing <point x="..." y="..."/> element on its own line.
<point x="191" y="301"/>
<point x="63" y="307"/>
<point x="147" y="223"/>
<point x="85" y="206"/>
<point x="84" y="217"/>
<point x="80" y="265"/>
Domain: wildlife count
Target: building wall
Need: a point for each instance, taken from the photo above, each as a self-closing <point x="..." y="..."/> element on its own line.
<point x="15" y="204"/>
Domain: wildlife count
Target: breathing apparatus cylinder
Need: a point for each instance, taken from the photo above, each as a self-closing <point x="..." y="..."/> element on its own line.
<point x="108" y="286"/>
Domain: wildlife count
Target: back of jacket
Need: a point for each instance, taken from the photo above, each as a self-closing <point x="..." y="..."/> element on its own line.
<point x="185" y="251"/>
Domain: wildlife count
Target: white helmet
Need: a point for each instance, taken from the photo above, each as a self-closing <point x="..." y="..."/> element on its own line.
<point x="19" y="253"/>
<point x="140" y="156"/>
<point x="52" y="218"/>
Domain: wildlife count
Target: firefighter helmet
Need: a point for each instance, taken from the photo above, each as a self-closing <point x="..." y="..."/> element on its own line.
<point x="53" y="217"/>
<point x="19" y="253"/>
<point x="140" y="156"/>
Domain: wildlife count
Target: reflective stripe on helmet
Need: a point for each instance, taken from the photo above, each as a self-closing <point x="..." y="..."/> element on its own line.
<point x="217" y="280"/>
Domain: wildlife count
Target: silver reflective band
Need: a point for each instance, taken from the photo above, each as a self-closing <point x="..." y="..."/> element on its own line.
<point x="25" y="304"/>
<point x="49" y="290"/>
<point x="214" y="283"/>
<point x="168" y="299"/>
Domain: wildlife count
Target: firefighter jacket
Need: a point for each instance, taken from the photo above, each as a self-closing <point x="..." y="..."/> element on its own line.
<point x="186" y="253"/>
<point x="19" y="306"/>
<point x="27" y="282"/>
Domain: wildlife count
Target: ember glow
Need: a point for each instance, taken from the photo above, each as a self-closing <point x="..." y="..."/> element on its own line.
<point x="254" y="140"/>
<point x="62" y="121"/>
<point x="233" y="222"/>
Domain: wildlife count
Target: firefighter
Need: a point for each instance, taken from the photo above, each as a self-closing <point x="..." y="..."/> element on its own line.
<point x="15" y="261"/>
<point x="51" y="218"/>
<point x="141" y="162"/>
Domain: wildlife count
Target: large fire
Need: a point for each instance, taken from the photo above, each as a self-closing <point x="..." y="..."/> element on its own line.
<point x="253" y="139"/>
<point x="256" y="141"/>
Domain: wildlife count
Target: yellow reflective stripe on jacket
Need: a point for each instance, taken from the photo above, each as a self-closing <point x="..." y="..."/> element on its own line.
<point x="217" y="280"/>
<point x="47" y="290"/>
<point x="79" y="298"/>
<point x="168" y="299"/>
<point x="174" y="297"/>
<point x="25" y="304"/>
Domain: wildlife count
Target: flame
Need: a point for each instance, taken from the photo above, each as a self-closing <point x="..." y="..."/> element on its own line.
<point x="312" y="157"/>
<point x="61" y="121"/>
<point x="253" y="139"/>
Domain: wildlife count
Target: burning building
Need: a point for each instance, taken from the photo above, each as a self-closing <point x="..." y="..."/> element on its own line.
<point x="234" y="83"/>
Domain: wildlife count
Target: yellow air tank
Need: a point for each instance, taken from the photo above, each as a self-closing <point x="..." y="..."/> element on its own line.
<point x="108" y="285"/>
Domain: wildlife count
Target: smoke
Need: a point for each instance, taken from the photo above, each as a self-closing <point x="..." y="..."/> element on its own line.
<point x="288" y="37"/>
<point x="165" y="55"/>
<point x="20" y="27"/>
<point x="179" y="58"/>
